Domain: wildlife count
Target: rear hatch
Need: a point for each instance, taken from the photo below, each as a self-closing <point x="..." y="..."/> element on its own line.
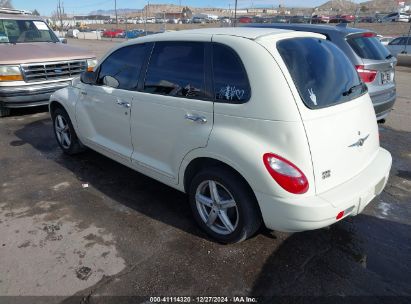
<point x="335" y="107"/>
<point x="377" y="68"/>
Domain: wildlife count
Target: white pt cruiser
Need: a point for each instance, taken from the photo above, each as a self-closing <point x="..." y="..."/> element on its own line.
<point x="255" y="125"/>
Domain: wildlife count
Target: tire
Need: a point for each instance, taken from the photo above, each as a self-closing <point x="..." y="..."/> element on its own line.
<point x="4" y="111"/>
<point x="244" y="217"/>
<point x="65" y="134"/>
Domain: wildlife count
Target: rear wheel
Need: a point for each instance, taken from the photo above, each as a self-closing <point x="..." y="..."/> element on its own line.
<point x="223" y="205"/>
<point x="65" y="133"/>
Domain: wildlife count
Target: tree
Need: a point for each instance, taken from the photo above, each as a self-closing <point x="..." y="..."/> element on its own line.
<point x="6" y="4"/>
<point x="59" y="15"/>
<point x="363" y="8"/>
<point x="35" y="13"/>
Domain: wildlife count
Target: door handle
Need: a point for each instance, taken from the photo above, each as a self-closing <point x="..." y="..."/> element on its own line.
<point x="124" y="104"/>
<point x="83" y="92"/>
<point x="196" y="118"/>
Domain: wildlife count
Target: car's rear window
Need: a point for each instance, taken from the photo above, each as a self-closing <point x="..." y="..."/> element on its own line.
<point x="322" y="73"/>
<point x="368" y="47"/>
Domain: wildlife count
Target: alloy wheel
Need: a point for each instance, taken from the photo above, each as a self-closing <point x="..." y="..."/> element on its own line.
<point x="217" y="207"/>
<point x="62" y="130"/>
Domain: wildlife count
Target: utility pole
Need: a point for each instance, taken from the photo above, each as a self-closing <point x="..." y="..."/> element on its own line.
<point x="235" y="14"/>
<point x="145" y="23"/>
<point x="115" y="10"/>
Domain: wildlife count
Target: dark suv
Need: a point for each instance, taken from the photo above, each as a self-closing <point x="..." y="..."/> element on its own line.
<point x="373" y="61"/>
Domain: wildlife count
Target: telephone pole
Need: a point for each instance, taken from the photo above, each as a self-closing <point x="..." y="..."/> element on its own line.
<point x="235" y="14"/>
<point x="115" y="10"/>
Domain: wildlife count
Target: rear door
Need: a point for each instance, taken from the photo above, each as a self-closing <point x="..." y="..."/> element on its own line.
<point x="335" y="108"/>
<point x="173" y="113"/>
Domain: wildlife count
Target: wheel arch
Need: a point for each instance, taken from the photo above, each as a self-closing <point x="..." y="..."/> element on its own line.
<point x="199" y="163"/>
<point x="65" y="99"/>
<point x="55" y="104"/>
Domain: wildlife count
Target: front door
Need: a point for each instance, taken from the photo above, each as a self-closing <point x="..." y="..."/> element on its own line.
<point x="104" y="119"/>
<point x="103" y="110"/>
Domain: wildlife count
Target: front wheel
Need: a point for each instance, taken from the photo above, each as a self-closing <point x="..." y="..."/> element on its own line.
<point x="65" y="133"/>
<point x="224" y="206"/>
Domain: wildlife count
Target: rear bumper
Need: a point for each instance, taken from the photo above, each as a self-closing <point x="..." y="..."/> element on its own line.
<point x="318" y="211"/>
<point x="29" y="95"/>
<point x="383" y="102"/>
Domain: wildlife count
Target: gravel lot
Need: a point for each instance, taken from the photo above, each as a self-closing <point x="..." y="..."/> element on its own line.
<point x="80" y="228"/>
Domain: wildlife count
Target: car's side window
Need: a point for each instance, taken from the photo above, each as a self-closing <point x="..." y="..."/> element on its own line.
<point x="395" y="41"/>
<point x="122" y="68"/>
<point x="231" y="83"/>
<point x="177" y="69"/>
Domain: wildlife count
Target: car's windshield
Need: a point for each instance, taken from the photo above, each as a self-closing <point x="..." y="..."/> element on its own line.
<point x="22" y="31"/>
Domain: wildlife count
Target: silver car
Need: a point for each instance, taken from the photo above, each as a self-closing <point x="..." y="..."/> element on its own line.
<point x="400" y="45"/>
<point x="373" y="61"/>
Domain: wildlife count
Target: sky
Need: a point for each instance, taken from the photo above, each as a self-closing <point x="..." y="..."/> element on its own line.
<point x="46" y="7"/>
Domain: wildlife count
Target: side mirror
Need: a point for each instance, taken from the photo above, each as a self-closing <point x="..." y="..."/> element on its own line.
<point x="110" y="82"/>
<point x="88" y="77"/>
<point x="63" y="40"/>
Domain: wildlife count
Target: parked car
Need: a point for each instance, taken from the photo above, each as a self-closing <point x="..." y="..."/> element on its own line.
<point x="385" y="40"/>
<point x="276" y="128"/>
<point x="245" y="19"/>
<point x="132" y="34"/>
<point x="225" y="21"/>
<point x="114" y="33"/>
<point x="200" y="20"/>
<point x="337" y="19"/>
<point x="320" y="19"/>
<point x="400" y="45"/>
<point x="373" y="61"/>
<point x="396" y="17"/>
<point x="33" y="62"/>
<point x="72" y="33"/>
<point x="367" y="19"/>
<point x="300" y="19"/>
<point x="342" y="19"/>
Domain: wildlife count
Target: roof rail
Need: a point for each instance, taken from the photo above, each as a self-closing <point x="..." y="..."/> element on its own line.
<point x="5" y="10"/>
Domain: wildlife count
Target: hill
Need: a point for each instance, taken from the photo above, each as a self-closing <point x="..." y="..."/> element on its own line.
<point x="339" y="5"/>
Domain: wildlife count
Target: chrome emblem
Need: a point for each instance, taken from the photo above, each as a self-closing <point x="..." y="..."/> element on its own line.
<point x="360" y="142"/>
<point x="326" y="174"/>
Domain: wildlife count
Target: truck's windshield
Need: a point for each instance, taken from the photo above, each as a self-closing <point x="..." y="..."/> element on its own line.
<point x="23" y="31"/>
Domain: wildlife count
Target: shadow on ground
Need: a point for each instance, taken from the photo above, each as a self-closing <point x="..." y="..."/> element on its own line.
<point x="364" y="256"/>
<point x="114" y="180"/>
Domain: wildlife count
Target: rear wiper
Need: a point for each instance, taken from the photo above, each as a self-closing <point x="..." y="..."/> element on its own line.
<point x="352" y="89"/>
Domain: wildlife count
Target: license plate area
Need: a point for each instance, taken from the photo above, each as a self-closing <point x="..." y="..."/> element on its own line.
<point x="387" y="77"/>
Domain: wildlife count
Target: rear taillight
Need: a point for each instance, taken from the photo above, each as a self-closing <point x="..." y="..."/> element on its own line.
<point x="366" y="75"/>
<point x="368" y="35"/>
<point x="285" y="173"/>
